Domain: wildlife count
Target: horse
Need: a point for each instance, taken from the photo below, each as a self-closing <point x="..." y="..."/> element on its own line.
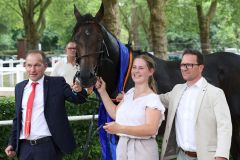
<point x="98" y="54"/>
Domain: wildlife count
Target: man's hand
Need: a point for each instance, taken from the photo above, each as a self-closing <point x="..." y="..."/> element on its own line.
<point x="76" y="87"/>
<point x="10" y="152"/>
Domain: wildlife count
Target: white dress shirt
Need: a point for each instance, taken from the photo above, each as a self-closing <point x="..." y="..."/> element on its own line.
<point x="66" y="70"/>
<point x="39" y="127"/>
<point x="185" y="132"/>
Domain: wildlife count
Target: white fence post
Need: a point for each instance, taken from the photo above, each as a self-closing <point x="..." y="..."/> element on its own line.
<point x="11" y="76"/>
<point x="20" y="73"/>
<point x="70" y="118"/>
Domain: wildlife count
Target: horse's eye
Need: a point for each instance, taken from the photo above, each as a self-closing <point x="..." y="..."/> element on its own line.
<point x="76" y="39"/>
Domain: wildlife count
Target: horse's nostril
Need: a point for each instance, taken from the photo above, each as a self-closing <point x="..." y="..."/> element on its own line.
<point x="87" y="78"/>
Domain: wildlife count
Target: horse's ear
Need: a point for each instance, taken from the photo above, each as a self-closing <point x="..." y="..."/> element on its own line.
<point x="99" y="14"/>
<point x="76" y="13"/>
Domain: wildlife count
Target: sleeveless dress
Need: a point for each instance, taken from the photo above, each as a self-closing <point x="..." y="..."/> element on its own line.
<point x="132" y="113"/>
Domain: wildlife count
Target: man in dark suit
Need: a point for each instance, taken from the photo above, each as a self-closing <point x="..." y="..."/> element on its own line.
<point x="47" y="135"/>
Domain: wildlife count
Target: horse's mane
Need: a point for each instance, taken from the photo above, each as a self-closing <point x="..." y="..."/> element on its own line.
<point x="83" y="19"/>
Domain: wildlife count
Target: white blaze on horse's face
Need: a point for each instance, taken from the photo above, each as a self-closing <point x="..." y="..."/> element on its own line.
<point x="140" y="71"/>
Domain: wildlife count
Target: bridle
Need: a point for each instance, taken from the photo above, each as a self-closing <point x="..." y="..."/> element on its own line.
<point x="101" y="52"/>
<point x="99" y="60"/>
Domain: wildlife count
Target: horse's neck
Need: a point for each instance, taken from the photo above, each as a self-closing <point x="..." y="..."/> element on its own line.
<point x="112" y="63"/>
<point x="111" y="44"/>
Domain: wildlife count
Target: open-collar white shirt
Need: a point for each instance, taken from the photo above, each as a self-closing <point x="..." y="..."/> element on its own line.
<point x="185" y="132"/>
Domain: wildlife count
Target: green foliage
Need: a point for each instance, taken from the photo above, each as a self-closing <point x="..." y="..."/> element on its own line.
<point x="7" y="112"/>
<point x="17" y="34"/>
<point x="8" y="53"/>
<point x="10" y="15"/>
<point x="61" y="19"/>
<point x="225" y="30"/>
<point x="181" y="23"/>
<point x="49" y="40"/>
<point x="6" y="108"/>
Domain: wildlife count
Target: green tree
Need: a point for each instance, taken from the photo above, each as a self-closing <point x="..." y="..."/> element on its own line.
<point x="111" y="16"/>
<point x="61" y="19"/>
<point x="9" y="22"/>
<point x="204" y="21"/>
<point x="32" y="13"/>
<point x="181" y="25"/>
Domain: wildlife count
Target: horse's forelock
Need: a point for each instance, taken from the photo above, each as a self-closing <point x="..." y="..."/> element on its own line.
<point x="83" y="20"/>
<point x="86" y="18"/>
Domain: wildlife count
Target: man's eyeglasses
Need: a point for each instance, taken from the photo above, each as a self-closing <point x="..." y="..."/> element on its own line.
<point x="187" y="65"/>
<point x="71" y="48"/>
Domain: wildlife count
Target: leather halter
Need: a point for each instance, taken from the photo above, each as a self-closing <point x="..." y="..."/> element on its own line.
<point x="101" y="57"/>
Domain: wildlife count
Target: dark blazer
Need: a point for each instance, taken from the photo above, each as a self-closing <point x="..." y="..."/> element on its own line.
<point x="56" y="91"/>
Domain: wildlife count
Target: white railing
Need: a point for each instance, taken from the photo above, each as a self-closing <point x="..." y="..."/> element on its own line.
<point x="15" y="68"/>
<point x="11" y="62"/>
<point x="13" y="74"/>
<point x="9" y="71"/>
<point x="70" y="118"/>
<point x="19" y="71"/>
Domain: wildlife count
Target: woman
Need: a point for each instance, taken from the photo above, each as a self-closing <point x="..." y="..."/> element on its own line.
<point x="139" y="114"/>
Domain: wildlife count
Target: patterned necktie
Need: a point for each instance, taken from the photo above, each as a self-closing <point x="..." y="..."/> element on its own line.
<point x="29" y="110"/>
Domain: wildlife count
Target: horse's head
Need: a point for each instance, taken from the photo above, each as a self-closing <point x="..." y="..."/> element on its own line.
<point x="88" y="36"/>
<point x="97" y="51"/>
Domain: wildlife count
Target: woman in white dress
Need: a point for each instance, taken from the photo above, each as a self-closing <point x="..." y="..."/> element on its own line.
<point x="139" y="114"/>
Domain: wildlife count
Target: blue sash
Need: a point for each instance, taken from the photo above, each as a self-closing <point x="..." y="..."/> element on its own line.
<point x="108" y="142"/>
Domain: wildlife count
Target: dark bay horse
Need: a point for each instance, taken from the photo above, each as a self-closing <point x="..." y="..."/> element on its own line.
<point x="98" y="54"/>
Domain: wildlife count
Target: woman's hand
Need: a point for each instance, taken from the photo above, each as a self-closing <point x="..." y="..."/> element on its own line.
<point x="120" y="96"/>
<point x="100" y="85"/>
<point x="112" y="127"/>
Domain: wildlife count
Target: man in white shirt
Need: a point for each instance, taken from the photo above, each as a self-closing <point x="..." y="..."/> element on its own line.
<point x="67" y="69"/>
<point x="198" y="122"/>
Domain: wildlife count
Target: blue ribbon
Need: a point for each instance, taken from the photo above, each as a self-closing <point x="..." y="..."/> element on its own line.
<point x="108" y="142"/>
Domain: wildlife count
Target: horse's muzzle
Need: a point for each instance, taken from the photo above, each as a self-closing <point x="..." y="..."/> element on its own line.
<point x="86" y="80"/>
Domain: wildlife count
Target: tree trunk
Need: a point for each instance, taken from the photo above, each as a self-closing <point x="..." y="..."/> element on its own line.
<point x="146" y="27"/>
<point x="134" y="36"/>
<point x="33" y="20"/>
<point x="110" y="19"/>
<point x="157" y="26"/>
<point x="204" y="25"/>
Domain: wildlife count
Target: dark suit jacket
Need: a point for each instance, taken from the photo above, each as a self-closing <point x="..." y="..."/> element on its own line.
<point x="56" y="91"/>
